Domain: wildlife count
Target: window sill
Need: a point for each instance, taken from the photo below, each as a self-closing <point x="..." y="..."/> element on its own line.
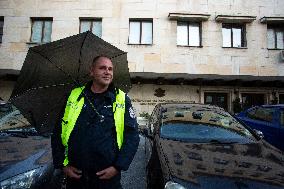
<point x="139" y="44"/>
<point x="275" y="49"/>
<point x="35" y="43"/>
<point x="234" y="47"/>
<point x="189" y="46"/>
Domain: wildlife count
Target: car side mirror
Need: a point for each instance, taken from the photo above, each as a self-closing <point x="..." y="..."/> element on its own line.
<point x="259" y="133"/>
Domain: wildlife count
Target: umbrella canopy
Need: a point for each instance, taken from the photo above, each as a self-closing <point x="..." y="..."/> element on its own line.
<point x="51" y="70"/>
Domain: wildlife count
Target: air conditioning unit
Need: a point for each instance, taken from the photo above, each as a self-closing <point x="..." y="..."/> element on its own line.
<point x="282" y="55"/>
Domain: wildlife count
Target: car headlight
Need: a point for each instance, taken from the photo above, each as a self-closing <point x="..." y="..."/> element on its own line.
<point x="21" y="181"/>
<point x="173" y="185"/>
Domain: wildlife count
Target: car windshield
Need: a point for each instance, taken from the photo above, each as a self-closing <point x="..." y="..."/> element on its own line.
<point x="12" y="121"/>
<point x="197" y="124"/>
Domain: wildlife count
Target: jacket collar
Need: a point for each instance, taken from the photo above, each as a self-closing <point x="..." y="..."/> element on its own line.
<point x="109" y="93"/>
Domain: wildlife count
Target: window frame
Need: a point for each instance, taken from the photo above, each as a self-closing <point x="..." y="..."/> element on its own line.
<point x="231" y="26"/>
<point x="44" y="20"/>
<point x="1" y="28"/>
<point x="141" y="21"/>
<point x="188" y="23"/>
<point x="92" y="20"/>
<point x="275" y="28"/>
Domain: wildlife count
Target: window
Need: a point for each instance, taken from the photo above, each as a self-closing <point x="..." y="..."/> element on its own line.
<point x="140" y="32"/>
<point x="218" y="99"/>
<point x="251" y="99"/>
<point x="262" y="114"/>
<point x="91" y="24"/>
<point x="1" y="27"/>
<point x="233" y="35"/>
<point x="188" y="34"/>
<point x="41" y="30"/>
<point x="275" y="37"/>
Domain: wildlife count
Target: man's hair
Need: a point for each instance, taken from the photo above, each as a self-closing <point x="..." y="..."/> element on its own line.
<point x="95" y="60"/>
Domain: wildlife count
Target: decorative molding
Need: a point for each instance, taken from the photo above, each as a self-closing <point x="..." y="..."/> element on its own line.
<point x="234" y="19"/>
<point x="189" y="17"/>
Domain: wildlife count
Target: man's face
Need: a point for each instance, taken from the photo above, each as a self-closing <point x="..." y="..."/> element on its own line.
<point x="102" y="72"/>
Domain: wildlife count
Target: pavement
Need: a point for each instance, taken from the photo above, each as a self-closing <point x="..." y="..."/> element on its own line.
<point x="135" y="176"/>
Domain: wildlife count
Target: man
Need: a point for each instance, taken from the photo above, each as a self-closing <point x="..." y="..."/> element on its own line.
<point x="98" y="136"/>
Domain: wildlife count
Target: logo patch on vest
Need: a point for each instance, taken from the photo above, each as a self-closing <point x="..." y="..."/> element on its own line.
<point x="119" y="105"/>
<point x="132" y="113"/>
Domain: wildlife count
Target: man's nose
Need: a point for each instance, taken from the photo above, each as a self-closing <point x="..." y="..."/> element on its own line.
<point x="107" y="71"/>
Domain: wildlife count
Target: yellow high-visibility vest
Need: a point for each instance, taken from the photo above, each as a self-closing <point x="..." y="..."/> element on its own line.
<point x="73" y="109"/>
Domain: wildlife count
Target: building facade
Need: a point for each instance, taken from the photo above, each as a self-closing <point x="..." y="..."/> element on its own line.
<point x="222" y="52"/>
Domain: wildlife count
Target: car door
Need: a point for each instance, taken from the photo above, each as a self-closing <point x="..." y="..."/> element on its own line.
<point x="265" y="120"/>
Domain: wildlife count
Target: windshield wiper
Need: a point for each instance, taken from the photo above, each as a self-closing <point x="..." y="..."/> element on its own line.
<point x="21" y="132"/>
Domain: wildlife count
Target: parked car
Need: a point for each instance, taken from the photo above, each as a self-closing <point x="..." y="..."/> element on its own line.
<point x="269" y="119"/>
<point x="25" y="154"/>
<point x="197" y="146"/>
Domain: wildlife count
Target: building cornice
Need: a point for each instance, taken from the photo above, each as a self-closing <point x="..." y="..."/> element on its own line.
<point x="272" y="20"/>
<point x="188" y="17"/>
<point x="206" y="79"/>
<point x="234" y="19"/>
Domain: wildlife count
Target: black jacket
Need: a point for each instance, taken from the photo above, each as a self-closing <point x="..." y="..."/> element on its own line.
<point x="92" y="144"/>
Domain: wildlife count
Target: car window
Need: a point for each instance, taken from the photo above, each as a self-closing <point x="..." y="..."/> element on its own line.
<point x="261" y="114"/>
<point x="5" y="108"/>
<point x="198" y="132"/>
<point x="11" y="118"/>
<point x="202" y="125"/>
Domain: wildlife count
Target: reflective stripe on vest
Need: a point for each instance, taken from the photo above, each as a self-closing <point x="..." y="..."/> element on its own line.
<point x="73" y="109"/>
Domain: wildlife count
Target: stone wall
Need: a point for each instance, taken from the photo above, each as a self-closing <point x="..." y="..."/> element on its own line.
<point x="163" y="55"/>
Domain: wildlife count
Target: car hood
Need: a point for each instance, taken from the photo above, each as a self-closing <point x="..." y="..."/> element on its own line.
<point x="21" y="154"/>
<point x="197" y="162"/>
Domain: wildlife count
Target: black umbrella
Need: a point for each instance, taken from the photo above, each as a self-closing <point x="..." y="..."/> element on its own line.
<point x="51" y="70"/>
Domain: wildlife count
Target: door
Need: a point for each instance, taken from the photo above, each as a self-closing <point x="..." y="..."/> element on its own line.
<point x="252" y="99"/>
<point x="217" y="99"/>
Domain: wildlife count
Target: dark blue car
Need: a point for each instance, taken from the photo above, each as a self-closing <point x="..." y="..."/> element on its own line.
<point x="269" y="119"/>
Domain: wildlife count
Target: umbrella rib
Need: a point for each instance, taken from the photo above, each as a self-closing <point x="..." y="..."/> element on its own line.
<point x="40" y="87"/>
<point x="79" y="67"/>
<point x="118" y="55"/>
<point x="58" y="67"/>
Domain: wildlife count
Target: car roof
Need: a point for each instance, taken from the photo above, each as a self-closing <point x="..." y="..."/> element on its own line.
<point x="185" y="105"/>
